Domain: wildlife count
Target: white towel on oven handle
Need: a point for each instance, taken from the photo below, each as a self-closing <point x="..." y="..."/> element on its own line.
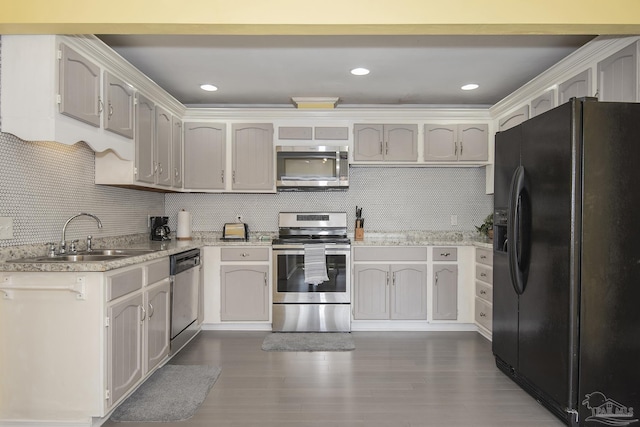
<point x="315" y="264"/>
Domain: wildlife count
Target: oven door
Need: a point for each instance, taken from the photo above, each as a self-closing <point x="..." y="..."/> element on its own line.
<point x="288" y="277"/>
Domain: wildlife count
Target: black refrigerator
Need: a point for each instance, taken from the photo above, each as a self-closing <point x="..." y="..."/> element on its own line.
<point x="566" y="303"/>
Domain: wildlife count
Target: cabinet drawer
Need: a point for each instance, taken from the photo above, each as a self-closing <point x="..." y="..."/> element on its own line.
<point x="484" y="273"/>
<point x="244" y="254"/>
<point x="157" y="270"/>
<point x="484" y="291"/>
<point x="484" y="314"/>
<point x="123" y="283"/>
<point x="445" y="254"/>
<point x="484" y="256"/>
<point x="390" y="254"/>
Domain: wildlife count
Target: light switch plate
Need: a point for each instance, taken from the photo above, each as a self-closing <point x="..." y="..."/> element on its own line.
<point x="6" y="228"/>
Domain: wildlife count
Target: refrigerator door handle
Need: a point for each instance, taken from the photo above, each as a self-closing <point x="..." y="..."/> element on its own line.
<point x="519" y="230"/>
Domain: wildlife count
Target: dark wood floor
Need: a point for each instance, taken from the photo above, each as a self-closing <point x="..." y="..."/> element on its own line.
<point x="399" y="379"/>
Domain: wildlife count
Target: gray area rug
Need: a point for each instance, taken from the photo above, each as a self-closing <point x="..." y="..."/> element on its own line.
<point x="172" y="393"/>
<point x="308" y="341"/>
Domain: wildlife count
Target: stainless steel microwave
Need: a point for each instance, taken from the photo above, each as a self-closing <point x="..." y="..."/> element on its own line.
<point x="312" y="168"/>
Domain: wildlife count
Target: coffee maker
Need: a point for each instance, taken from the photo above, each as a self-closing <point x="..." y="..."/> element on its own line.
<point x="159" y="228"/>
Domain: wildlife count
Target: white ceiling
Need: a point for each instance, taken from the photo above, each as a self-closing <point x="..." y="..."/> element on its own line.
<point x="405" y="70"/>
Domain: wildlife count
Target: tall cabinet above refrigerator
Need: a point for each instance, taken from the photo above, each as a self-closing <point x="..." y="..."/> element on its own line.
<point x="566" y="302"/>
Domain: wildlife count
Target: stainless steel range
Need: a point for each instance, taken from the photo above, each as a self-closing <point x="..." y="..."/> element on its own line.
<point x="305" y="303"/>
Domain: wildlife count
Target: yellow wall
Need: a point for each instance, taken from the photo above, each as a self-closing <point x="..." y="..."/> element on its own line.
<point x="321" y="16"/>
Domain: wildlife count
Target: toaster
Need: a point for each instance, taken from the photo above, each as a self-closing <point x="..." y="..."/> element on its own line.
<point x="235" y="231"/>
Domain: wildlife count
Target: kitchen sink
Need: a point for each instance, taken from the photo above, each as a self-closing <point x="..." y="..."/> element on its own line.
<point x="83" y="256"/>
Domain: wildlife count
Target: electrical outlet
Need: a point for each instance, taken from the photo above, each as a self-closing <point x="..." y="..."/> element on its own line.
<point x="454" y="219"/>
<point x="6" y="228"/>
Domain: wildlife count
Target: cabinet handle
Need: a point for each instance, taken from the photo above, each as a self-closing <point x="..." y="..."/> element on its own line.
<point x="233" y="177"/>
<point x="144" y="313"/>
<point x="110" y="111"/>
<point x="436" y="278"/>
<point x="483" y="292"/>
<point x="455" y="149"/>
<point x="100" y="106"/>
<point x="482" y="314"/>
<point x="176" y="171"/>
<point x="381" y="147"/>
<point x="222" y="176"/>
<point x="151" y="310"/>
<point x="386" y="147"/>
<point x="387" y="278"/>
<point x="266" y="283"/>
<point x="461" y="147"/>
<point x="445" y="253"/>
<point x="394" y="279"/>
<point x="483" y="274"/>
<point x="244" y="254"/>
<point x="483" y="257"/>
<point x="155" y="167"/>
<point x="160" y="167"/>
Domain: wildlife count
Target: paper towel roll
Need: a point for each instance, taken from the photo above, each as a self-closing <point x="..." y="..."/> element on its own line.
<point x="184" y="225"/>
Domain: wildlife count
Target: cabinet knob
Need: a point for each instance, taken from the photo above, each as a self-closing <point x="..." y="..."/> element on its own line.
<point x="244" y="254"/>
<point x="483" y="274"/>
<point x="445" y="253"/>
<point x="482" y="314"/>
<point x="483" y="257"/>
<point x="483" y="292"/>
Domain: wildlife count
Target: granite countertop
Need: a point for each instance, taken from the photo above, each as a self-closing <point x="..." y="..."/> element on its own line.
<point x="201" y="239"/>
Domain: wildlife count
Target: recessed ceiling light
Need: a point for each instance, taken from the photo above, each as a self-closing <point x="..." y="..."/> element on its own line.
<point x="360" y="71"/>
<point x="208" y="88"/>
<point x="470" y="86"/>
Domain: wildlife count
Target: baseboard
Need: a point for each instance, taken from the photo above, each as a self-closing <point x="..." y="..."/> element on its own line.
<point x="231" y="326"/>
<point x="407" y="326"/>
<point x="46" y="423"/>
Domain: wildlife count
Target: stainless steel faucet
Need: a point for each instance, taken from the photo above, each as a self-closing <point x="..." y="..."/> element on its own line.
<point x="63" y="242"/>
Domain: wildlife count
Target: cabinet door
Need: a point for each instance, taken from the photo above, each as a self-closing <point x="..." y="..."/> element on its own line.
<point x="576" y="87"/>
<point x="163" y="147"/>
<point x="445" y="292"/>
<point x="618" y="76"/>
<point x="145" y="155"/>
<point x="371" y="300"/>
<point x="124" y="345"/>
<point x="368" y="142"/>
<point x="118" y="105"/>
<point x="244" y="292"/>
<point x="157" y="302"/>
<point x="514" y="118"/>
<point x="408" y="292"/>
<point x="474" y="142"/>
<point x="176" y="152"/>
<point x="440" y="143"/>
<point x="401" y="143"/>
<point x="204" y="156"/>
<point x="253" y="157"/>
<point x="544" y="102"/>
<point x="79" y="87"/>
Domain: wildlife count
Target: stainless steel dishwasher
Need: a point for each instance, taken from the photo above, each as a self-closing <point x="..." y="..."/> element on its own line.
<point x="185" y="285"/>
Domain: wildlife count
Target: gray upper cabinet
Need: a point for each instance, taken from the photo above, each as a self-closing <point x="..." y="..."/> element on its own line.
<point x="79" y="87"/>
<point x="163" y="133"/>
<point x="145" y="154"/>
<point x="118" y="105"/>
<point x="514" y="118"/>
<point x="544" y="102"/>
<point x="176" y="152"/>
<point x="451" y="143"/>
<point x="618" y="76"/>
<point x="204" y="156"/>
<point x="391" y="143"/>
<point x="252" y="154"/>
<point x="576" y="87"/>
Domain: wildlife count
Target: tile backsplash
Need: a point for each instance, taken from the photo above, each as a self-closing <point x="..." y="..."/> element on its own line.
<point x="393" y="199"/>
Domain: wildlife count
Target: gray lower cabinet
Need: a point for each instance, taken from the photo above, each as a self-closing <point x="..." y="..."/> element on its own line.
<point x="390" y="291"/>
<point x="252" y="157"/>
<point x="618" y="76"/>
<point x="446" y="143"/>
<point x="389" y="143"/>
<point x="204" y="155"/>
<point x="484" y="291"/>
<point x="138" y="324"/>
<point x="244" y="292"/>
<point x="445" y="292"/>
